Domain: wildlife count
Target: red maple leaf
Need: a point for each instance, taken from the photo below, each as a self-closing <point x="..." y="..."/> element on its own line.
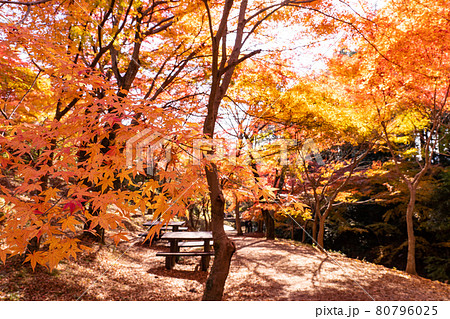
<point x="37" y="212"/>
<point x="73" y="206"/>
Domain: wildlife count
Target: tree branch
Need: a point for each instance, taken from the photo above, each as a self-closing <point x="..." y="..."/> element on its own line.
<point x="25" y="16"/>
<point x="23" y="97"/>
<point x="242" y="59"/>
<point x="31" y="3"/>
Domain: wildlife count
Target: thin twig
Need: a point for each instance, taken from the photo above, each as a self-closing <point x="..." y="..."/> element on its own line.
<point x="23" y="97"/>
<point x="25" y="16"/>
<point x="31" y="3"/>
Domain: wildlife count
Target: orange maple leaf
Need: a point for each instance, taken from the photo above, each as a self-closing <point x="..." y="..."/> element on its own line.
<point x="37" y="257"/>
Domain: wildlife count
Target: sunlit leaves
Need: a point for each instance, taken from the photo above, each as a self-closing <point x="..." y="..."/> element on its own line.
<point x="296" y="210"/>
<point x="107" y="70"/>
<point x="35" y="258"/>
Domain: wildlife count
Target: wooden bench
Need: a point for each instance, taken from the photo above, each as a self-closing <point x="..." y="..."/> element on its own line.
<point x="164" y="228"/>
<point x="191" y="239"/>
<point x="170" y="228"/>
<point x="143" y="234"/>
<point x="193" y="243"/>
<point x="204" y="254"/>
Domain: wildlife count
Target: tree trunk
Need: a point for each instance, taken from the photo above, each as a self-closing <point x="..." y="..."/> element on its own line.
<point x="314" y="227"/>
<point x="270" y="225"/>
<point x="205" y="216"/>
<point x="317" y="217"/>
<point x="411" y="259"/>
<point x="192" y="222"/>
<point x="321" y="233"/>
<point x="223" y="246"/>
<point x="98" y="232"/>
<point x="292" y="229"/>
<point x="260" y="226"/>
<point x="305" y="228"/>
<point x="222" y="67"/>
<point x="237" y="217"/>
<point x="33" y="245"/>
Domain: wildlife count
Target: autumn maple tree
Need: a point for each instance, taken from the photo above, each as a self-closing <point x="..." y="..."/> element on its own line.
<point x="81" y="79"/>
<point x="327" y="151"/>
<point x="401" y="70"/>
<point x="66" y="105"/>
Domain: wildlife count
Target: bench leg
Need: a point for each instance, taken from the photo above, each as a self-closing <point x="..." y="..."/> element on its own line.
<point x="171" y="260"/>
<point x="177" y="259"/>
<point x="169" y="264"/>
<point x="205" y="263"/>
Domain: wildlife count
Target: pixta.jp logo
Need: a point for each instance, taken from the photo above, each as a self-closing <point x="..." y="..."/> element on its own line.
<point x="145" y="144"/>
<point x="141" y="149"/>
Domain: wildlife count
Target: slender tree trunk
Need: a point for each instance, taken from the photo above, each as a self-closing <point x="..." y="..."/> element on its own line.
<point x="321" y="233"/>
<point x="192" y="223"/>
<point x="292" y="229"/>
<point x="223" y="246"/>
<point x="205" y="216"/>
<point x="270" y="225"/>
<point x="411" y="258"/>
<point x="222" y="67"/>
<point x="305" y="228"/>
<point x="315" y="225"/>
<point x="268" y="218"/>
<point x="412" y="187"/>
<point x="237" y="217"/>
<point x="33" y="245"/>
<point x="260" y="226"/>
<point x="314" y="228"/>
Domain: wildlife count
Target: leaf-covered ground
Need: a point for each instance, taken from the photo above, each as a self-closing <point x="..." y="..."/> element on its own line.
<point x="261" y="270"/>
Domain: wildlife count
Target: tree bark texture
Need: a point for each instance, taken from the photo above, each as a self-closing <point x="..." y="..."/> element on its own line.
<point x="321" y="233"/>
<point x="270" y="225"/>
<point x="237" y="217"/>
<point x="411" y="258"/>
<point x="223" y="246"/>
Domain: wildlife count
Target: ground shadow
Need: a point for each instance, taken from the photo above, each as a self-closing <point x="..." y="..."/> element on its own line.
<point x="197" y="275"/>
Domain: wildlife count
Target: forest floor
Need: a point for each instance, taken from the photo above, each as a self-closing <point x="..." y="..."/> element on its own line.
<point x="260" y="270"/>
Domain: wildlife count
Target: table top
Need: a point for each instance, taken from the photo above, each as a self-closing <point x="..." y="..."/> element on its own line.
<point x="188" y="235"/>
<point x="157" y="222"/>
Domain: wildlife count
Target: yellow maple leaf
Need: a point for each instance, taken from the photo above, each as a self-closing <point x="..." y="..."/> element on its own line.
<point x="50" y="193"/>
<point x="118" y="237"/>
<point x="3" y="255"/>
<point x="70" y="223"/>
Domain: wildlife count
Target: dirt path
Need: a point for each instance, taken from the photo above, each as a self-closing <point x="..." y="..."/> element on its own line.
<point x="278" y="270"/>
<point x="261" y="270"/>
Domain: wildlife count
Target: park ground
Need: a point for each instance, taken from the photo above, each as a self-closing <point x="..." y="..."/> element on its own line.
<point x="261" y="270"/>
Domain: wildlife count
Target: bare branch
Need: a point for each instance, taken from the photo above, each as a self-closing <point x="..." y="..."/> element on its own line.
<point x="173" y="74"/>
<point x="242" y="59"/>
<point x="108" y="46"/>
<point x="23" y="97"/>
<point x="160" y="26"/>
<point x="4" y="114"/>
<point x="31" y="3"/>
<point x="25" y="16"/>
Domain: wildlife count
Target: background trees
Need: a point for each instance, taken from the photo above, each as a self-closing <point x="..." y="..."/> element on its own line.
<point x="404" y="73"/>
<point x="81" y="79"/>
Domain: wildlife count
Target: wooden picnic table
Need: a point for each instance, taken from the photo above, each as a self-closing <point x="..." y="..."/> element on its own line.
<point x="176" y="237"/>
<point x="174" y="225"/>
